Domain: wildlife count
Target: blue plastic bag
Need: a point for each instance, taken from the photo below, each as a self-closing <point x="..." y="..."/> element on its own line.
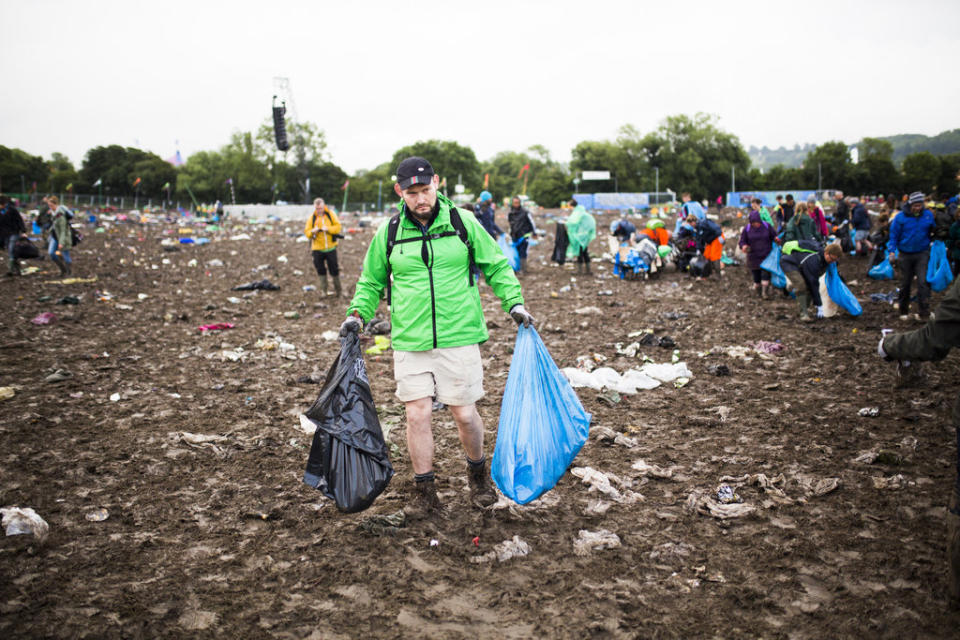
<point x="939" y="274"/>
<point x="542" y="423"/>
<point x="839" y="292"/>
<point x="882" y="271"/>
<point x="772" y="264"/>
<point x="510" y="250"/>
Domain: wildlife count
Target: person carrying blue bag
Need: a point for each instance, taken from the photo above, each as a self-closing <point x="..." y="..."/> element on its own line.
<point x="521" y="228"/>
<point x="910" y="234"/>
<point x="424" y="258"/>
<point x="803" y="267"/>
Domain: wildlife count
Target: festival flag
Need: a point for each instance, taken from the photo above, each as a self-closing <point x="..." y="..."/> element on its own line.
<point x="33" y="187"/>
<point x="98" y="182"/>
<point x="345" y="185"/>
<point x="443" y="183"/>
<point x="137" y="181"/>
<point x="69" y="187"/>
<point x="525" y="168"/>
<point x="486" y="180"/>
<point x="229" y="181"/>
<point x="165" y="186"/>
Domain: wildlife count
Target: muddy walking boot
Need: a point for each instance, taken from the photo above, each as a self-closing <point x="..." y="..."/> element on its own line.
<point x="481" y="492"/>
<point x="803" y="301"/>
<point x="579" y="268"/>
<point x="586" y="268"/>
<point x="338" y="289"/>
<point x="323" y="286"/>
<point x="523" y="267"/>
<point x="57" y="260"/>
<point x="425" y="502"/>
<point x="765" y="290"/>
<point x="953" y="547"/>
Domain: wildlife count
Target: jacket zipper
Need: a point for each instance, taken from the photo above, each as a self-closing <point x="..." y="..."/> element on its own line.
<point x="433" y="301"/>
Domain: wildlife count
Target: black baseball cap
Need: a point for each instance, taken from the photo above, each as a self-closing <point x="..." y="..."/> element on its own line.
<point x="413" y="171"/>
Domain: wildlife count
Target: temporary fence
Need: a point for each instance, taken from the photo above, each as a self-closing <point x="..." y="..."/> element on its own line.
<point x="621" y="201"/>
<point x="84" y="201"/>
<point x="769" y="198"/>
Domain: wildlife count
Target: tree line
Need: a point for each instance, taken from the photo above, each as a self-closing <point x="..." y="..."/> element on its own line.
<point x="684" y="153"/>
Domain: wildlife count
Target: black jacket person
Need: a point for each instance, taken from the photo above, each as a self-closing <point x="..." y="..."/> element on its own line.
<point x="933" y="342"/>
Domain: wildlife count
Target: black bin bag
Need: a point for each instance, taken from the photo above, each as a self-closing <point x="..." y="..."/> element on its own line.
<point x="349" y="460"/>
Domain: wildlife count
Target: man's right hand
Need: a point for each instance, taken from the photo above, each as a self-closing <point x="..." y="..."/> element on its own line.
<point x="352" y="324"/>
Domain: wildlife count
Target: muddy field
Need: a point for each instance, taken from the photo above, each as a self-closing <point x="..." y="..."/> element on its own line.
<point x="223" y="539"/>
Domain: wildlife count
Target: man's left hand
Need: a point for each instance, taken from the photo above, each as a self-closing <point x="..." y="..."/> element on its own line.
<point x="518" y="313"/>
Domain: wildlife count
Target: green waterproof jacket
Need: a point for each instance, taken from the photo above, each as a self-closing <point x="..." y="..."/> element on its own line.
<point x="581" y="230"/>
<point x="935" y="339"/>
<point x="434" y="302"/>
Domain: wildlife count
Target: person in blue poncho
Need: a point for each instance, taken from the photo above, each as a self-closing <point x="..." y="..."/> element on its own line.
<point x="910" y="234"/>
<point x="688" y="208"/>
<point x="486" y="215"/>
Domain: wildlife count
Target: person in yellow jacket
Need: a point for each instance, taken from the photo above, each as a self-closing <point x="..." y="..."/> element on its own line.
<point x="323" y="228"/>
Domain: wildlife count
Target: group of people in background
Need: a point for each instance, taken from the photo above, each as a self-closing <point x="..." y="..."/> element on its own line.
<point x="57" y="233"/>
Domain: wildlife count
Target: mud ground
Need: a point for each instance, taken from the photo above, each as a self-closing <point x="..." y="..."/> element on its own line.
<point x="224" y="540"/>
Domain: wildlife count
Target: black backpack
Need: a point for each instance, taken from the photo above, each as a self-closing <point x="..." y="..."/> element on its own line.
<point x="460" y="231"/>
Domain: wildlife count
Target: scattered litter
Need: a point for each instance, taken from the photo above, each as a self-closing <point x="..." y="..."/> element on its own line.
<point x="817" y="486"/>
<point x="69" y="300"/>
<point x="220" y="326"/>
<point x="589" y="541"/>
<point x="434" y="543"/>
<point x="241" y="236"/>
<point x="602" y="482"/>
<point x="282" y="259"/>
<point x="506" y="550"/>
<point x="46" y="317"/>
<point x="97" y="515"/>
<point x="889" y="298"/>
<point x="233" y="355"/>
<point x="115" y="397"/>
<point x="763" y="346"/>
<point x="609" y="397"/>
<point x="216" y="262"/>
<point x="700" y="502"/>
<point x="630" y="350"/>
<point x="200" y="440"/>
<point x="6" y="393"/>
<point x="142" y="296"/>
<point x="726" y="495"/>
<point x="869" y="412"/>
<point x="233" y="300"/>
<point x="596" y="508"/>
<point x="630" y="382"/>
<point x="264" y="285"/>
<point x="718" y="370"/>
<point x="124" y="307"/>
<point x="666" y="372"/>
<point x="17" y="521"/>
<point x="384" y="525"/>
<point x="652" y="470"/>
<point x="58" y="376"/>
<point x="291" y="315"/>
<point x="588" y="311"/>
<point x="770" y="486"/>
<point x="892" y="482"/>
<point x="330" y="335"/>
<point x="607" y="435"/>
<point x="381" y="344"/>
<point x="307" y="425"/>
<point x="73" y="281"/>
<point x="309" y="287"/>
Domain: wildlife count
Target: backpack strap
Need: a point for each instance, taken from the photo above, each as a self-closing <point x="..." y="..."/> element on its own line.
<point x="459" y="231"/>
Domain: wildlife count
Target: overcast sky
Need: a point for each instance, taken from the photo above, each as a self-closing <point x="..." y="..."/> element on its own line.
<point x="491" y="75"/>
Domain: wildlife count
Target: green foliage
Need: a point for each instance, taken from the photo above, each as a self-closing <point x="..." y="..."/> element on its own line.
<point x="921" y="171"/>
<point x="944" y="143"/>
<point x="878" y="173"/>
<point x="62" y="174"/>
<point x="119" y="167"/>
<point x="449" y="159"/>
<point x="15" y="163"/>
<point x="948" y="183"/>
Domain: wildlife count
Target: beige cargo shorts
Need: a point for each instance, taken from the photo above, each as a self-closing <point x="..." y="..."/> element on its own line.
<point x="452" y="375"/>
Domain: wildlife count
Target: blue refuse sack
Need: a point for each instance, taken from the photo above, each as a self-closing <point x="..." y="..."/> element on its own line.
<point x="510" y="250"/>
<point x="839" y="292"/>
<point x="772" y="264"/>
<point x="939" y="274"/>
<point x="542" y="423"/>
<point x="882" y="271"/>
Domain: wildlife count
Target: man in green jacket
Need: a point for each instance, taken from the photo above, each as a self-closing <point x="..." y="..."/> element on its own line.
<point x="933" y="342"/>
<point x="437" y="321"/>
